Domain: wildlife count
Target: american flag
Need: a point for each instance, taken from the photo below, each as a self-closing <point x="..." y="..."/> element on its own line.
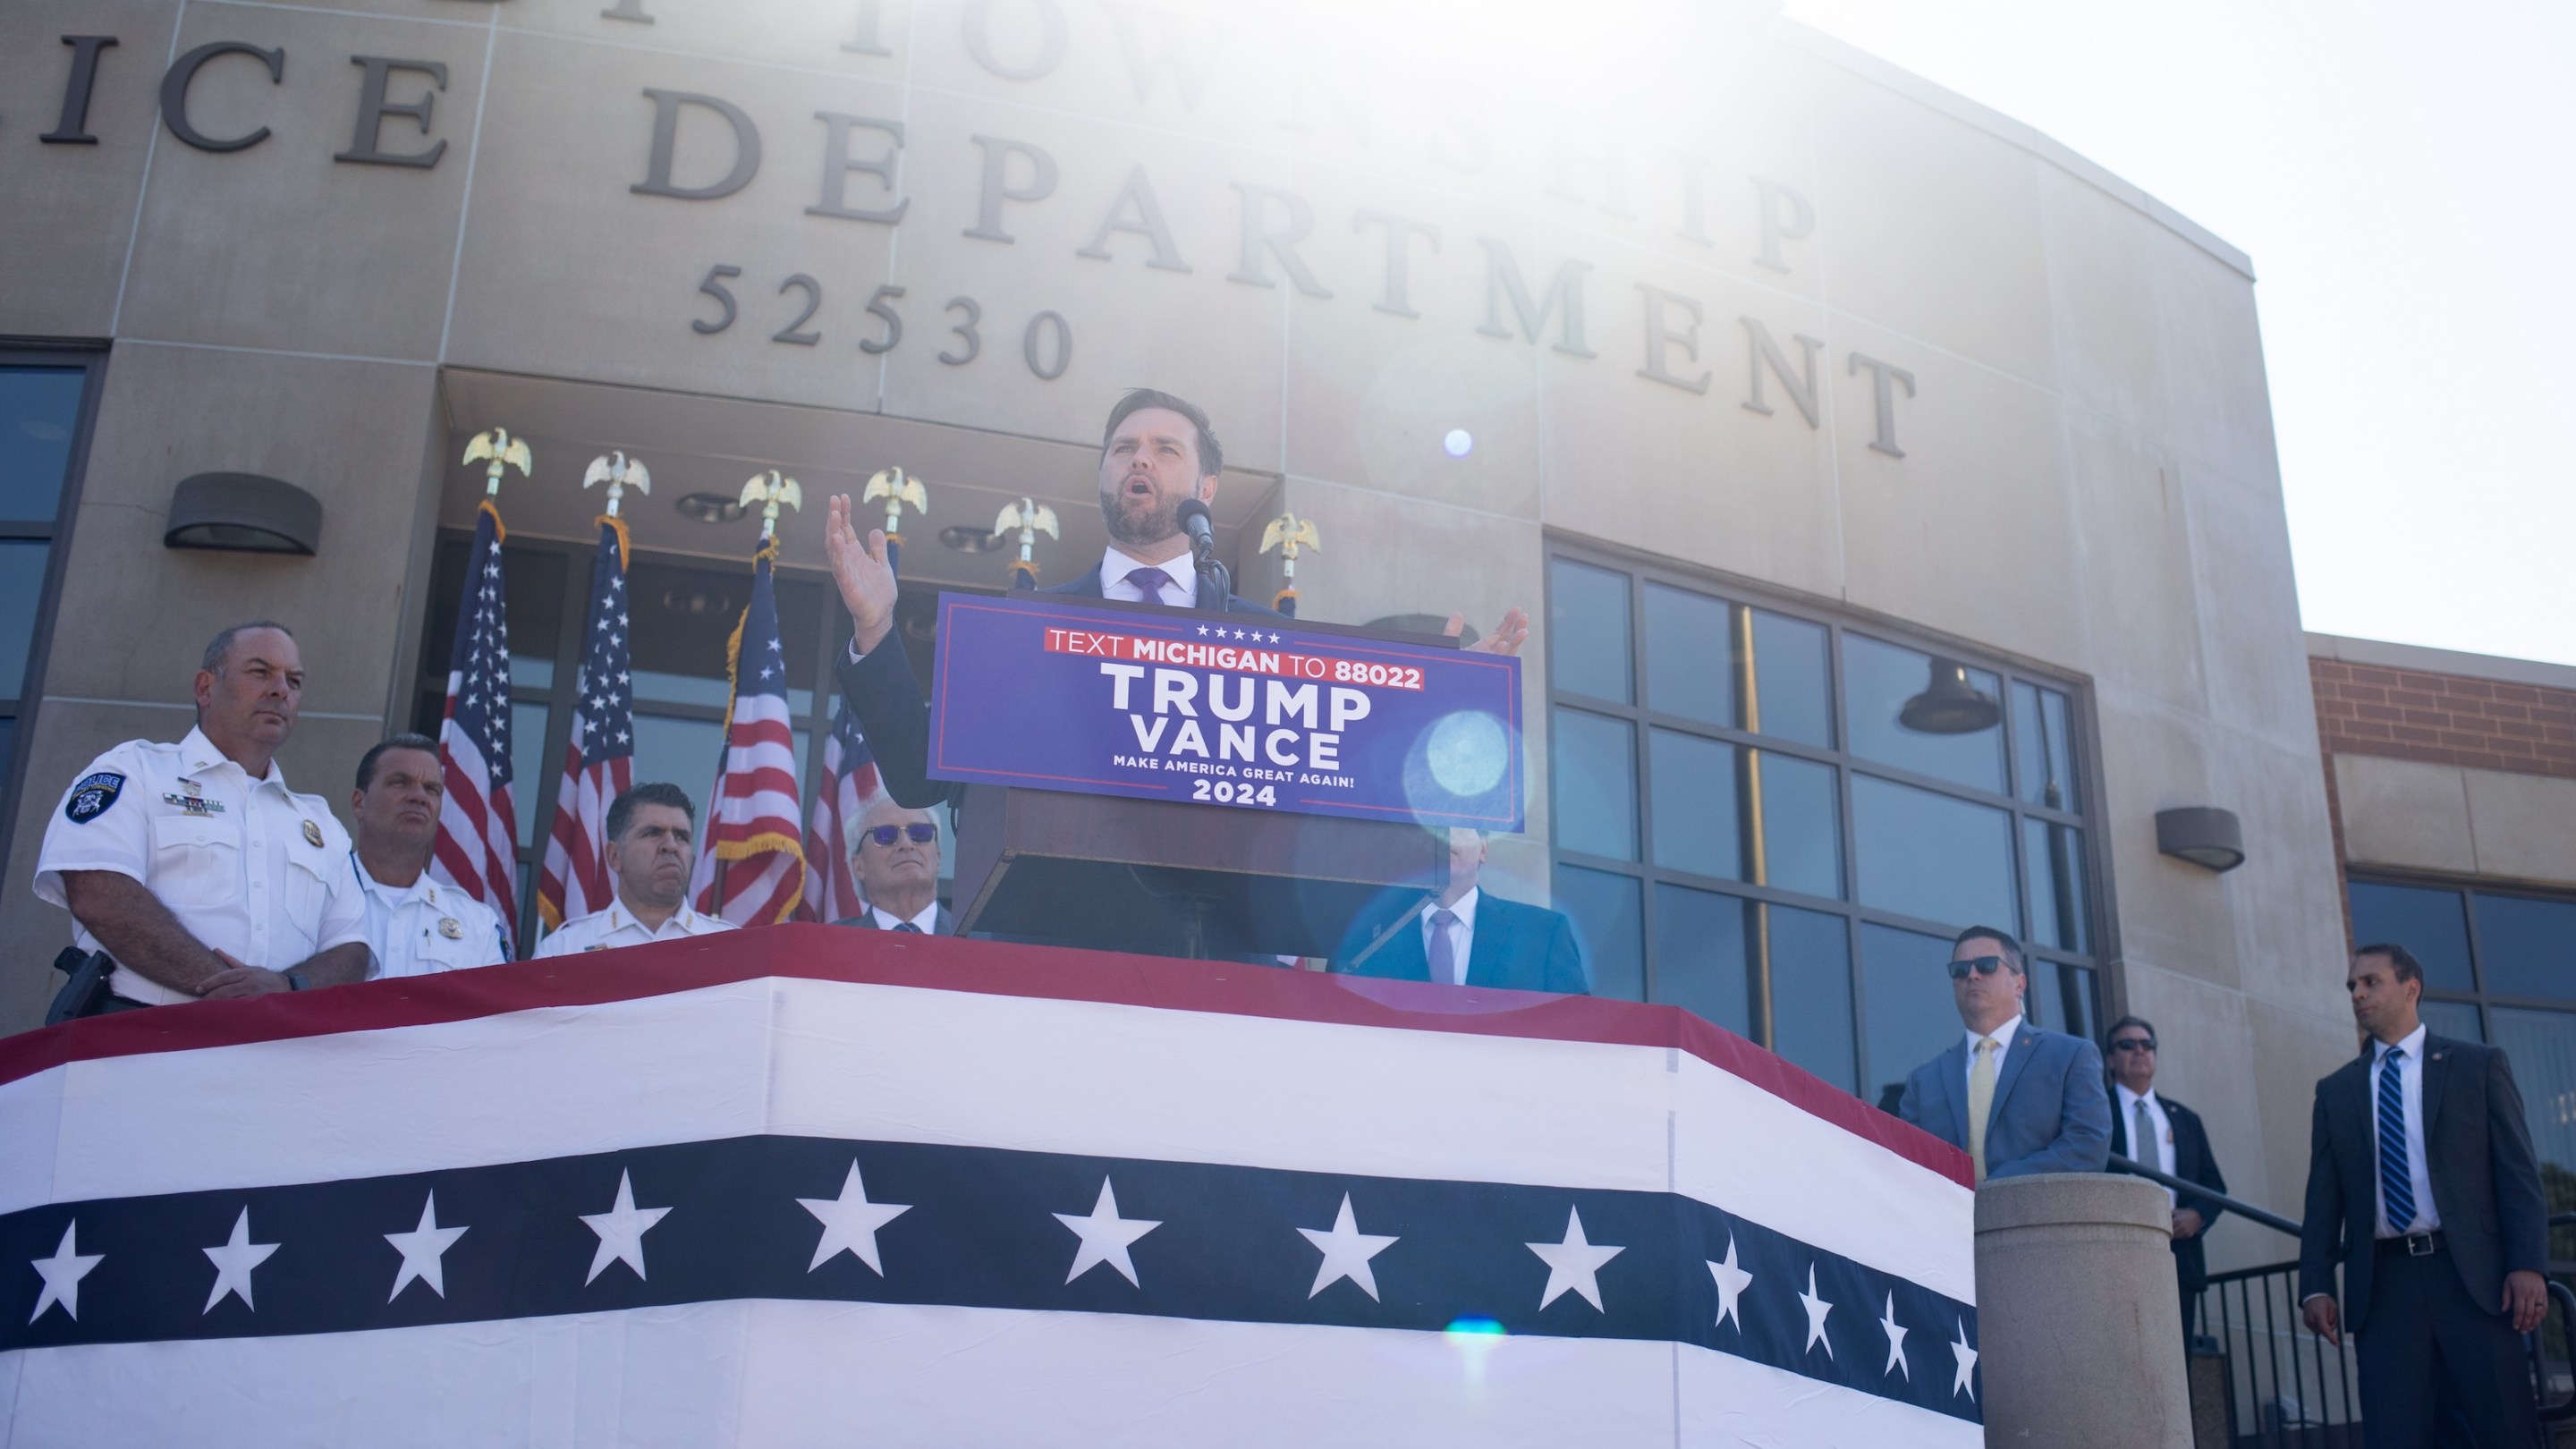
<point x="599" y="760"/>
<point x="752" y="870"/>
<point x="478" y="828"/>
<point x="849" y="783"/>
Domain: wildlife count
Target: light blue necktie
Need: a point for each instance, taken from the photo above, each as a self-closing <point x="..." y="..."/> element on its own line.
<point x="2396" y="1184"/>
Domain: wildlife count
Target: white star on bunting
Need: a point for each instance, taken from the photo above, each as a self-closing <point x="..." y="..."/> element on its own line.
<point x="1346" y="1252"/>
<point x="1817" y="1308"/>
<point x="1895" y="1343"/>
<point x="850" y="1222"/>
<point x="422" y="1250"/>
<point x="1105" y="1236"/>
<point x="621" y="1231"/>
<point x="233" y="1260"/>
<point x="1573" y="1264"/>
<point x="1731" y="1283"/>
<point x="1967" y="1359"/>
<point x="63" y="1273"/>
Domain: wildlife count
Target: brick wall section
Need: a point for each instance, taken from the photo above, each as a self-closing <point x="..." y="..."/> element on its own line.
<point x="2443" y="719"/>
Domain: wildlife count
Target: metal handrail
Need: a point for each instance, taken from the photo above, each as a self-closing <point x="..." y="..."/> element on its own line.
<point x="2564" y="1301"/>
<point x="2272" y="1220"/>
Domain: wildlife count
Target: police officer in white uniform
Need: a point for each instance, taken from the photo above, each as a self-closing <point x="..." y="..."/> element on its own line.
<point x="652" y="838"/>
<point x="192" y="865"/>
<point x="416" y="925"/>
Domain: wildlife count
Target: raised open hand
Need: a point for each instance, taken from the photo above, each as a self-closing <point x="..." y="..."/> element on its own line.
<point x="860" y="569"/>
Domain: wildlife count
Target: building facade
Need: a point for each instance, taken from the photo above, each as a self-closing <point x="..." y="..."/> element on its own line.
<point x="1894" y="490"/>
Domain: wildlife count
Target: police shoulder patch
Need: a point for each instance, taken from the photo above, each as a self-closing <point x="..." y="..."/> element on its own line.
<point x="91" y="797"/>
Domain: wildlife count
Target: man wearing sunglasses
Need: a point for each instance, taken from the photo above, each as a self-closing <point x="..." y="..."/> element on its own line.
<point x="894" y="853"/>
<point x="2017" y="1097"/>
<point x="2155" y="1131"/>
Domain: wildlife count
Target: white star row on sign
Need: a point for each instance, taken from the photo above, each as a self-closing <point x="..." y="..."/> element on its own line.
<point x="621" y="1230"/>
<point x="850" y="1222"/>
<point x="1816" y="1308"/>
<point x="234" y="1259"/>
<point x="423" y="1251"/>
<point x="1573" y="1264"/>
<point x="1105" y="1236"/>
<point x="63" y="1273"/>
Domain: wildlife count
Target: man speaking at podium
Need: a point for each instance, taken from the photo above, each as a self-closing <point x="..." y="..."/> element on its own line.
<point x="1157" y="456"/>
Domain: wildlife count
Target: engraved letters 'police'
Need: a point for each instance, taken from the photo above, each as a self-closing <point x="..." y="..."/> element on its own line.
<point x="92" y="796"/>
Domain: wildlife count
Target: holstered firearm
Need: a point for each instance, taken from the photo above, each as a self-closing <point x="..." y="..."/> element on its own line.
<point x="86" y="991"/>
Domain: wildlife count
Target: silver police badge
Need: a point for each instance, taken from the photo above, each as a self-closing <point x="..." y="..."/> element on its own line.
<point x="312" y="834"/>
<point x="448" y="927"/>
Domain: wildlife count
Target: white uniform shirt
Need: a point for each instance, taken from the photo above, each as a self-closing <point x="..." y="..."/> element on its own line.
<point x="2158" y="1151"/>
<point x="2003" y="1036"/>
<point x="616" y="926"/>
<point x="2410" y="1082"/>
<point x="249" y="867"/>
<point x="1181" y="593"/>
<point x="1462" y="936"/>
<point x="426" y="927"/>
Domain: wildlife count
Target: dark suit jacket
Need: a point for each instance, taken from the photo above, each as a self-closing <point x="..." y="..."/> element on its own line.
<point x="2193" y="1161"/>
<point x="1522" y="947"/>
<point x="2477" y="1150"/>
<point x="896" y="719"/>
<point x="2051" y="1112"/>
<point x="945" y="924"/>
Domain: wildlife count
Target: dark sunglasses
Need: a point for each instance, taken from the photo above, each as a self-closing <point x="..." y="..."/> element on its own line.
<point x="922" y="833"/>
<point x="2134" y="1044"/>
<point x="1985" y="966"/>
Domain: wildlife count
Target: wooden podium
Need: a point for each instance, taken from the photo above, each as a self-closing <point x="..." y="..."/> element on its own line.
<point x="1167" y="879"/>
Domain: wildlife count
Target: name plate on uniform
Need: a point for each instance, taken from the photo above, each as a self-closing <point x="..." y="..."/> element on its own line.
<point x="1231" y="711"/>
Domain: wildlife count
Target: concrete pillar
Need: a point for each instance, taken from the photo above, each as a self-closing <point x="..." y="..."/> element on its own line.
<point x="2079" y="1328"/>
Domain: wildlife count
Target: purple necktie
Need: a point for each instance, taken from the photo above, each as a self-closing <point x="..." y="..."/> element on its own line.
<point x="1149" y="582"/>
<point x="1444" y="951"/>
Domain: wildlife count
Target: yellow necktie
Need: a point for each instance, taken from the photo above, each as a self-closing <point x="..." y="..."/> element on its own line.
<point x="1981" y="1100"/>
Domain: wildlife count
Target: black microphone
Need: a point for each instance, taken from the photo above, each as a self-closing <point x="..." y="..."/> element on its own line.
<point x="1201" y="528"/>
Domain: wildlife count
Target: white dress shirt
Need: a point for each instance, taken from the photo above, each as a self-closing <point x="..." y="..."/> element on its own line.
<point x="426" y="927"/>
<point x="616" y="926"/>
<point x="927" y="922"/>
<point x="2003" y="1037"/>
<point x="248" y="867"/>
<point x="2158" y="1152"/>
<point x="1462" y="936"/>
<point x="2410" y="1082"/>
<point x="1181" y="593"/>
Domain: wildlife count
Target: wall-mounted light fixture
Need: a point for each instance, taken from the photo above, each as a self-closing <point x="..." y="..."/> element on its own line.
<point x="1950" y="704"/>
<point x="2202" y="834"/>
<point x="243" y="513"/>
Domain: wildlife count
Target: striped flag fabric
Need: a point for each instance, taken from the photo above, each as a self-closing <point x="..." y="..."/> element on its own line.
<point x="849" y="783"/>
<point x="751" y="858"/>
<point x="478" y="824"/>
<point x="965" y="1193"/>
<point x="599" y="759"/>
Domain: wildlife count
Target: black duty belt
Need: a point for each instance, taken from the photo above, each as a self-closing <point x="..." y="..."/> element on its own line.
<point x="2413" y="1245"/>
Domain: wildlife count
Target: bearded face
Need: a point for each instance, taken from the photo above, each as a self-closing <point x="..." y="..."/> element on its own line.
<point x="1148" y="470"/>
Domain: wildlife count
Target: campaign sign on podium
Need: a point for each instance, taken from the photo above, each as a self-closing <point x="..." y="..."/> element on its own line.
<point x="1241" y="711"/>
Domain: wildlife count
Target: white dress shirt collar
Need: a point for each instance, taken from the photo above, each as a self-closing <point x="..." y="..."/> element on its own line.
<point x="1182" y="593"/>
<point x="2412" y="1043"/>
<point x="927" y="921"/>
<point x="684" y="921"/>
<point x="2003" y="1036"/>
<point x="201" y="755"/>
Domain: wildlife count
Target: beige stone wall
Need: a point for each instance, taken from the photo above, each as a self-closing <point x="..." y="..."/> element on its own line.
<point x="2088" y="479"/>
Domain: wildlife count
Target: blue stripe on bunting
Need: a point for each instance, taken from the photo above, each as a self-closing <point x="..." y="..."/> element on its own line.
<point x="980" y="1231"/>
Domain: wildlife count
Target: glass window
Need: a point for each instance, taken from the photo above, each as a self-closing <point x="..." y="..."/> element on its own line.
<point x="2047" y="744"/>
<point x="1931" y="716"/>
<point x="1756" y="758"/>
<point x="1703" y="956"/>
<point x="22" y="601"/>
<point x="39" y="413"/>
<point x="2542" y="1048"/>
<point x="684" y="752"/>
<point x="1789" y="680"/>
<point x="1811" y="992"/>
<point x="1801" y="845"/>
<point x="1596" y="784"/>
<point x="2430" y="923"/>
<point x="2458" y="1019"/>
<point x="1607" y="925"/>
<point x="8" y="736"/>
<point x="2526" y="947"/>
<point x="1690" y="655"/>
<point x="2053" y="857"/>
<point x="1587" y="618"/>
<point x="1912" y="1015"/>
<point x="528" y="763"/>
<point x="1933" y="857"/>
<point x="1697" y="827"/>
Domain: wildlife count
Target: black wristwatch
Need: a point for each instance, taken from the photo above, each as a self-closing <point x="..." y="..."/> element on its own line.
<point x="295" y="981"/>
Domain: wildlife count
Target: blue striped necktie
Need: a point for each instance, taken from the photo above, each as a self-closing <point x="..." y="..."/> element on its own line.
<point x="2396" y="1184"/>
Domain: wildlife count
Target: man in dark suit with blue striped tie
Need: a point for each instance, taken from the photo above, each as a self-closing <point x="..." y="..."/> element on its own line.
<point x="2422" y="1182"/>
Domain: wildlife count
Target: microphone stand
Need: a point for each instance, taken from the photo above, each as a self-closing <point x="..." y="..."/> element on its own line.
<point x="1216" y="583"/>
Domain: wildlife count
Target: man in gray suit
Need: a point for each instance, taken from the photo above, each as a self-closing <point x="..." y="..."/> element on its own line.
<point x="2020" y="1098"/>
<point x="894" y="853"/>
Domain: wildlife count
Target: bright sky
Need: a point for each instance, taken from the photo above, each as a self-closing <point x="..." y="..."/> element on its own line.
<point x="2402" y="176"/>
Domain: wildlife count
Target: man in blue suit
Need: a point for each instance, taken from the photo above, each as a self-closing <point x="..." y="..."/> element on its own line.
<point x="1157" y="453"/>
<point x="2021" y="1099"/>
<point x="1464" y="937"/>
